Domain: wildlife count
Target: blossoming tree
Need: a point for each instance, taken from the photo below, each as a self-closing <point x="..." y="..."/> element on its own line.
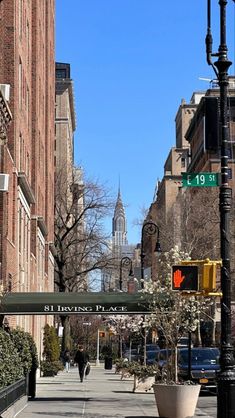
<point x="172" y="313"/>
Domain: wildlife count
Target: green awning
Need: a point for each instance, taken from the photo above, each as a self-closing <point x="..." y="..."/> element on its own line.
<point x="74" y="303"/>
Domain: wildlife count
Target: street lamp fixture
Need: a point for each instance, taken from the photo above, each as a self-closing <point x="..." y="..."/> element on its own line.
<point x="226" y="376"/>
<point x="125" y="262"/>
<point x="148" y="228"/>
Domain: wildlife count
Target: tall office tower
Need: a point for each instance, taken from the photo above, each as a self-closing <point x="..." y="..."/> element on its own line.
<point x="119" y="232"/>
<point x="27" y="209"/>
<point x="120" y="248"/>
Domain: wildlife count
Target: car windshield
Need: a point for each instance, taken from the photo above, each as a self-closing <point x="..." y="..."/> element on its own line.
<point x="200" y="356"/>
<point x="152" y="354"/>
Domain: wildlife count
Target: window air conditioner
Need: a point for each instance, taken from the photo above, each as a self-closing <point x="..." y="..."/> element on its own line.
<point x="4" y="180"/>
<point x="5" y="89"/>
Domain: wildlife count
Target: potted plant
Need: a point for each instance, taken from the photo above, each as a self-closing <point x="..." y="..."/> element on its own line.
<point x="173" y="315"/>
<point x="144" y="376"/>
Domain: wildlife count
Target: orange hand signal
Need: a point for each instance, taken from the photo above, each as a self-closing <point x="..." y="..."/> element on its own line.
<point x="178" y="278"/>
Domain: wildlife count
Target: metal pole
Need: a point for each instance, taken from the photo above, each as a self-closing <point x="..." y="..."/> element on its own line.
<point x="189" y="354"/>
<point x="226" y="376"/>
<point x="142" y="260"/>
<point x="97" y="363"/>
<point x="120" y="276"/>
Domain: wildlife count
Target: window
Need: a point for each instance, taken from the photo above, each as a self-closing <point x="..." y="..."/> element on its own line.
<point x="20" y="83"/>
<point x="60" y="73"/>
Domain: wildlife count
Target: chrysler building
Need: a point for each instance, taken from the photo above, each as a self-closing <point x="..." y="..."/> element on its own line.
<point x="119" y="231"/>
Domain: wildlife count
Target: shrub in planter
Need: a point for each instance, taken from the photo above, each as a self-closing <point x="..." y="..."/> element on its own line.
<point x="144" y="375"/>
<point x="33" y="351"/>
<point x="21" y="343"/>
<point x="51" y="368"/>
<point x="11" y="368"/>
<point x="120" y="364"/>
<point x="51" y="352"/>
<point x="34" y="366"/>
<point x="51" y="346"/>
<point x="27" y="350"/>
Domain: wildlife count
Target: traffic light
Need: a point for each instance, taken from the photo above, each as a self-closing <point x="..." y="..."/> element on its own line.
<point x="102" y="334"/>
<point x="185" y="278"/>
<point x="208" y="282"/>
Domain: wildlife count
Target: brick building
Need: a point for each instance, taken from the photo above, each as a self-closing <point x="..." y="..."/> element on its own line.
<point x="27" y="209"/>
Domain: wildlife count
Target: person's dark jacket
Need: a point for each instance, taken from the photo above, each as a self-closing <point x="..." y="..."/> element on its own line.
<point x="67" y="356"/>
<point x="81" y="357"/>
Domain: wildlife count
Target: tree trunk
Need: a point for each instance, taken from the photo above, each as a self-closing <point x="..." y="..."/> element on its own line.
<point x="66" y="339"/>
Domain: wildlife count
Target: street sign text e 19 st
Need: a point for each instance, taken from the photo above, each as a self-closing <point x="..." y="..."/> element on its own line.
<point x="185" y="278"/>
<point x="200" y="179"/>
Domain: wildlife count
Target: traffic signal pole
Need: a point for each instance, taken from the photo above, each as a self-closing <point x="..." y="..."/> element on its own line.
<point x="226" y="376"/>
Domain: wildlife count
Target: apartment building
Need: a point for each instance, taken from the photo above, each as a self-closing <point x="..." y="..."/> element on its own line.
<point x="177" y="209"/>
<point x="27" y="209"/>
<point x="69" y="185"/>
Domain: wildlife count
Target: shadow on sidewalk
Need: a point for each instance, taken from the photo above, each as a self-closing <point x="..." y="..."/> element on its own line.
<point x="60" y="399"/>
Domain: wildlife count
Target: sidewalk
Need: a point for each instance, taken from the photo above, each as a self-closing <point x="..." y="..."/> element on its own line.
<point x="101" y="395"/>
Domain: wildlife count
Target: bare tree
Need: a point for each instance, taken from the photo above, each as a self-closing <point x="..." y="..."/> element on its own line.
<point x="192" y="223"/>
<point x="80" y="241"/>
<point x="82" y="246"/>
<point x="200" y="223"/>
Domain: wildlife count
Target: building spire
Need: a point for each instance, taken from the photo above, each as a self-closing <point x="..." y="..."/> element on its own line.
<point x="119" y="187"/>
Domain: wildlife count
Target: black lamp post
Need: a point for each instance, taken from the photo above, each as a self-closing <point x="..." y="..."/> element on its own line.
<point x="125" y="262"/>
<point x="226" y="376"/>
<point x="148" y="228"/>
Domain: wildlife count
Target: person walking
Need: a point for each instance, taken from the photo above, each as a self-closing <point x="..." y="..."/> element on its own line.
<point x="67" y="360"/>
<point x="81" y="358"/>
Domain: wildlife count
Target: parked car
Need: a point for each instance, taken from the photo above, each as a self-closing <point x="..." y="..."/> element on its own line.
<point x="152" y="347"/>
<point x="184" y="342"/>
<point x="204" y="364"/>
<point x="131" y="354"/>
<point x="151" y="353"/>
<point x="151" y="356"/>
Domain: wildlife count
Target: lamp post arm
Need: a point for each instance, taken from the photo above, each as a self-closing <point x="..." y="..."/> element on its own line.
<point x="148" y="228"/>
<point x="125" y="261"/>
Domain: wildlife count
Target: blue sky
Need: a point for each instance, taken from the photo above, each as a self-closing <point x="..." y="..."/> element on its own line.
<point x="132" y="61"/>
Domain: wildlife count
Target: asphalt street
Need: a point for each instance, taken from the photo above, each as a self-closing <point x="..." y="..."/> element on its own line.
<point x="102" y="395"/>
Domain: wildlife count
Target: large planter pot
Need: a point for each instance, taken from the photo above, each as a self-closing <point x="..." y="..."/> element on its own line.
<point x="176" y="401"/>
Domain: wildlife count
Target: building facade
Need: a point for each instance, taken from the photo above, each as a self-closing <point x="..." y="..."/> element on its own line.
<point x="27" y="215"/>
<point x="69" y="185"/>
<point x="189" y="217"/>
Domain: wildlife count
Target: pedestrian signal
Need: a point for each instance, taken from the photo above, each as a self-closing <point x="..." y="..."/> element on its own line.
<point x="102" y="334"/>
<point x="209" y="271"/>
<point x="185" y="278"/>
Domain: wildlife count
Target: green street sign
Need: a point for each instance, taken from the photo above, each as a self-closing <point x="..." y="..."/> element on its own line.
<point x="200" y="179"/>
